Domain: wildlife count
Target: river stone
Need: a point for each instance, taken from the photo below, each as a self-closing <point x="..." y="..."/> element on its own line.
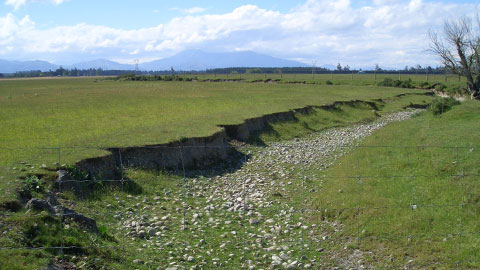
<point x="39" y="205"/>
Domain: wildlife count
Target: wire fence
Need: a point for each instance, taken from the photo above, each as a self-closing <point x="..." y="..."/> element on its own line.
<point x="240" y="211"/>
<point x="335" y="76"/>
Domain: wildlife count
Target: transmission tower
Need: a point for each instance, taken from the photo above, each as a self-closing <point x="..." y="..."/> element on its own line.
<point x="136" y="66"/>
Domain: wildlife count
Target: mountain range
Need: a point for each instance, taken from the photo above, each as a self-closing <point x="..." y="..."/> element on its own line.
<point x="14" y="66"/>
<point x="186" y="61"/>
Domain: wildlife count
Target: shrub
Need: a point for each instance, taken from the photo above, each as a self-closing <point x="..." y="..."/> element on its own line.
<point x="425" y="85"/>
<point x="440" y="87"/>
<point x="328" y="82"/>
<point x="458" y="90"/>
<point x="126" y="77"/>
<point x="406" y="83"/>
<point x="32" y="184"/>
<point x="388" y="82"/>
<point x="442" y="105"/>
<point x="76" y="173"/>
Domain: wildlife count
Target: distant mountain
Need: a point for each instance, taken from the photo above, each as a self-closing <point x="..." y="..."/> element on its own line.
<point x="199" y="60"/>
<point x="103" y="64"/>
<point x="186" y="60"/>
<point x="14" y="66"/>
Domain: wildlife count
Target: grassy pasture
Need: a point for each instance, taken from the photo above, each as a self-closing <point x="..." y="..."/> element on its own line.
<point x="410" y="193"/>
<point x="86" y="112"/>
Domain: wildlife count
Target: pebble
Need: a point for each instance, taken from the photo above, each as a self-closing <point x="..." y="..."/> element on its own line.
<point x="138" y="261"/>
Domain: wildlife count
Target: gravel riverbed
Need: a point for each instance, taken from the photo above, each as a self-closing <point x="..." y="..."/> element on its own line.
<point x="250" y="216"/>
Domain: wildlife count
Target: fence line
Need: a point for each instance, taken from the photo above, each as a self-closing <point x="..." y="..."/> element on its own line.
<point x="226" y="145"/>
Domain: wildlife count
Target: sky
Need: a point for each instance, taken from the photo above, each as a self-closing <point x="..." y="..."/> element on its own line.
<point x="391" y="33"/>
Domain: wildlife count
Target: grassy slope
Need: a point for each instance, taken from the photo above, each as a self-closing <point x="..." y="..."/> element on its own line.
<point x="442" y="232"/>
<point x="340" y="116"/>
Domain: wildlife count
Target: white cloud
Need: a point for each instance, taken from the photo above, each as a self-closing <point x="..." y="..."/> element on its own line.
<point x="195" y="10"/>
<point x="16" y="4"/>
<point x="388" y="32"/>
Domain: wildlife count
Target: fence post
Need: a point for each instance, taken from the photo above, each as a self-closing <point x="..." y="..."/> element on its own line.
<point x="61" y="215"/>
<point x="244" y="216"/>
<point x="184" y="205"/>
<point x="303" y="220"/>
<point x="58" y="165"/>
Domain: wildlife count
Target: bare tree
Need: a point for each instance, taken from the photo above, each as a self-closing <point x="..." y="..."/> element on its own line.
<point x="458" y="48"/>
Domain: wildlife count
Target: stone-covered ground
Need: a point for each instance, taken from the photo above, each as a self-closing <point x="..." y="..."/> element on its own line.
<point x="254" y="217"/>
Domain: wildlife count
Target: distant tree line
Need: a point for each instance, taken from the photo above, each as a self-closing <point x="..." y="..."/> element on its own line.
<point x="418" y="69"/>
<point x="247" y="70"/>
<point x="233" y="70"/>
<point x="78" y="73"/>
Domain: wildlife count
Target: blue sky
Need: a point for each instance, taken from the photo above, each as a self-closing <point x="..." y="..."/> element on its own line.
<point x="130" y="14"/>
<point x="391" y="33"/>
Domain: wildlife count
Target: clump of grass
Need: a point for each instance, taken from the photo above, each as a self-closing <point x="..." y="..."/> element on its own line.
<point x="76" y="173"/>
<point x="442" y="105"/>
<point x="440" y="87"/>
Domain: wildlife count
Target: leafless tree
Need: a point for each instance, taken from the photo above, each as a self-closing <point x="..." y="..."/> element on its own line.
<point x="458" y="47"/>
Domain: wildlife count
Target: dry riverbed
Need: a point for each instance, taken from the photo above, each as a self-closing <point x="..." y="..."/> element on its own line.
<point x="255" y="217"/>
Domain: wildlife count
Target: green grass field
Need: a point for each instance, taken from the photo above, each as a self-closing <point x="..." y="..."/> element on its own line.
<point x="88" y="112"/>
<point x="85" y="112"/>
<point x="411" y="192"/>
